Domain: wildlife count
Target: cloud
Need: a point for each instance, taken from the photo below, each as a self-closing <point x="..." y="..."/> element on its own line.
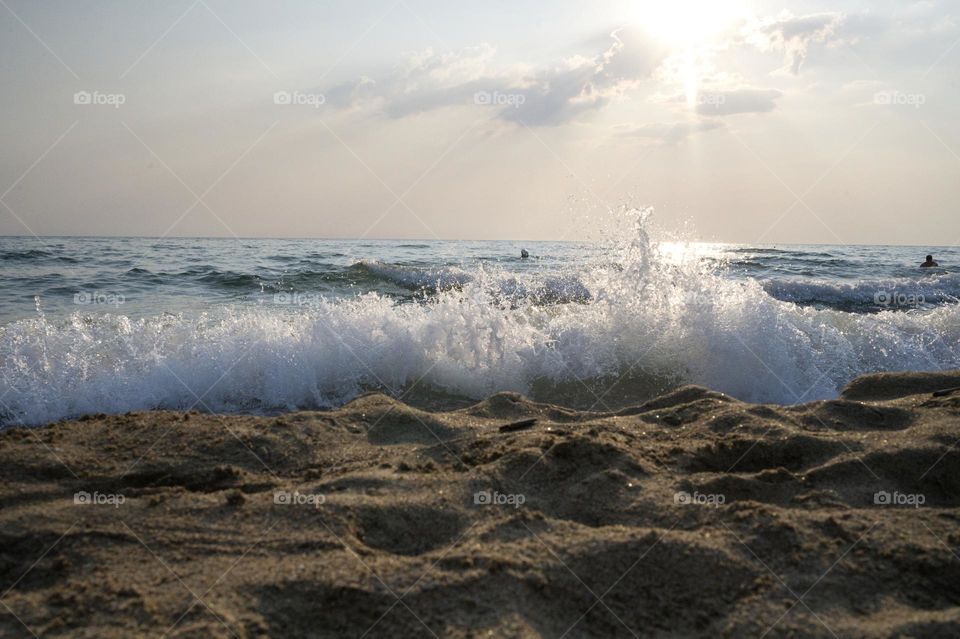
<point x="546" y="96"/>
<point x="667" y="132"/>
<point x="574" y="87"/>
<point x="424" y="81"/>
<point x="793" y="35"/>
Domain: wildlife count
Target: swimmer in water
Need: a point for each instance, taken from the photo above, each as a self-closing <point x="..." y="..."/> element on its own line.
<point x="524" y="254"/>
<point x="929" y="262"/>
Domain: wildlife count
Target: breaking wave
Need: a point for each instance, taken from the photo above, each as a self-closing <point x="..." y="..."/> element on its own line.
<point x="614" y="332"/>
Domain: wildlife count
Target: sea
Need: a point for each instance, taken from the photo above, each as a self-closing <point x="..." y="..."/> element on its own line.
<point x="112" y="324"/>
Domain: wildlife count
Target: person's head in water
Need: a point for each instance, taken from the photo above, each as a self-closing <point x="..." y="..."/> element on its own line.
<point x="524" y="254"/>
<point x="929" y="262"/>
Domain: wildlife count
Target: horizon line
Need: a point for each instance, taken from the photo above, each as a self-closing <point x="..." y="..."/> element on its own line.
<point x="396" y="239"/>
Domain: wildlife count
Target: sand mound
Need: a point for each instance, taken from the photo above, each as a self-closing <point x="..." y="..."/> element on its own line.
<point x="689" y="515"/>
<point x="883" y="386"/>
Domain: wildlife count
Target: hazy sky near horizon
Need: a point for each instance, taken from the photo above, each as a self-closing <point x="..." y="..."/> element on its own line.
<point x="744" y="121"/>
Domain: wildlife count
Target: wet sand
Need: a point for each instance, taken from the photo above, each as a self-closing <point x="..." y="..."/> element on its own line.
<point x="690" y="515"/>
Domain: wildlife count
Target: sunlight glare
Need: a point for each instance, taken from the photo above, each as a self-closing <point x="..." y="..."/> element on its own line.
<point x="687" y="23"/>
<point x="687" y="27"/>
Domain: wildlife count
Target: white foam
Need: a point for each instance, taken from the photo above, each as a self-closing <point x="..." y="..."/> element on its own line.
<point x="670" y="319"/>
<point x="499" y="285"/>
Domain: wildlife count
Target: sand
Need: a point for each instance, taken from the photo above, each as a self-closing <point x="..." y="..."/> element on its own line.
<point x="691" y="515"/>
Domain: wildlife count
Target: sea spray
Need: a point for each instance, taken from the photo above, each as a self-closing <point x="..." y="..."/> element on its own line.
<point x="637" y="324"/>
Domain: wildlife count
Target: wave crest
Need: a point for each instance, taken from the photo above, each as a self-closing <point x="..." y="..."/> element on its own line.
<point x="645" y="323"/>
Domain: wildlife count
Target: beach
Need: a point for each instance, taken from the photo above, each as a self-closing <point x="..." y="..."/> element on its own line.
<point x="474" y="320"/>
<point x="689" y="515"/>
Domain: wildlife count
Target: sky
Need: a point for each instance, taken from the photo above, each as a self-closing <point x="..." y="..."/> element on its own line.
<point x="740" y="121"/>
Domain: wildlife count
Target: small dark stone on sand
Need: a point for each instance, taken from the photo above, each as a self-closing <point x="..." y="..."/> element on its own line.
<point x="235" y="498"/>
<point x="523" y="424"/>
<point x="946" y="391"/>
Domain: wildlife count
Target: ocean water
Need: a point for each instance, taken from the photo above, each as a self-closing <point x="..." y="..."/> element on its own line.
<point x="117" y="324"/>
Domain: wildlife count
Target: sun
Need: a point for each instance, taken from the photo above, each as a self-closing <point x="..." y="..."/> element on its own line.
<point x="688" y="28"/>
<point x="686" y="24"/>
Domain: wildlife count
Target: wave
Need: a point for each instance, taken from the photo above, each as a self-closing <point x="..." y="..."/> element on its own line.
<point x="32" y="255"/>
<point x="766" y="250"/>
<point x="647" y="324"/>
<point x="14" y="256"/>
<point x="231" y="280"/>
<point x="431" y="279"/>
<point x="503" y="289"/>
<point x="906" y="293"/>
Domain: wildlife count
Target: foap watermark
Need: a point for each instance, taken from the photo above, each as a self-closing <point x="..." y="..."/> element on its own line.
<point x="898" y="98"/>
<point x="298" y="98"/>
<point x="493" y="498"/>
<point x="715" y="100"/>
<point x="97" y="98"/>
<point x="90" y="298"/>
<point x="695" y="498"/>
<point x="896" y="299"/>
<point x="83" y="498"/>
<point x="297" y="299"/>
<point x="896" y="498"/>
<point x="496" y="98"/>
<point x="296" y="498"/>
